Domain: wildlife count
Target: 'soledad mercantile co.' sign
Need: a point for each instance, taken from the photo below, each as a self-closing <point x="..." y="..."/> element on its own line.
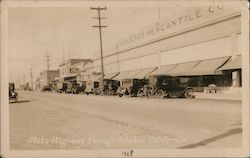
<point x="169" y="26"/>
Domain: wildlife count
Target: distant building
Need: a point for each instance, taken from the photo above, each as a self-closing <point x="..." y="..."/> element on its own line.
<point x="71" y="70"/>
<point x="46" y="77"/>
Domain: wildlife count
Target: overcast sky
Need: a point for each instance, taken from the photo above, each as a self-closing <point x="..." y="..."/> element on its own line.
<point x="34" y="31"/>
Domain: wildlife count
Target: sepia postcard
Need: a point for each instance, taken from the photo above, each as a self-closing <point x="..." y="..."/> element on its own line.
<point x="113" y="78"/>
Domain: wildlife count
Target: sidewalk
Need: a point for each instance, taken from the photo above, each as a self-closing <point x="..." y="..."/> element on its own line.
<point x="219" y="95"/>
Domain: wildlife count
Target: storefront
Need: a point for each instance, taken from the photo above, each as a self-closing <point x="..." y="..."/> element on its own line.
<point x="203" y="45"/>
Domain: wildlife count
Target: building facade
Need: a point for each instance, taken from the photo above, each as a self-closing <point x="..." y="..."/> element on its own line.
<point x="203" y="45"/>
<point x="72" y="70"/>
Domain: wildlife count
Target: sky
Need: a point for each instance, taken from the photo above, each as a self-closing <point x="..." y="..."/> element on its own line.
<point x="67" y="32"/>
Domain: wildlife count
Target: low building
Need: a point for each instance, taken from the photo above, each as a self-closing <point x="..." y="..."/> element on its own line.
<point x="71" y="71"/>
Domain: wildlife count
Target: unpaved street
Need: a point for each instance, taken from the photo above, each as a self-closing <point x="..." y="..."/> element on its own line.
<point x="66" y="121"/>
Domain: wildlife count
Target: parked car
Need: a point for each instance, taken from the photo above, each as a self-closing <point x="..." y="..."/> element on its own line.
<point x="12" y="94"/>
<point x="109" y="87"/>
<point x="62" y="87"/>
<point x="162" y="86"/>
<point x="131" y="86"/>
<point x="92" y="87"/>
<point x="77" y="89"/>
<point x="46" y="88"/>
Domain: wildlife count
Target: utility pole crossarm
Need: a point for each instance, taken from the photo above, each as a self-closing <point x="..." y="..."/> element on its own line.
<point x="99" y="17"/>
<point x="99" y="8"/>
<point x="99" y="26"/>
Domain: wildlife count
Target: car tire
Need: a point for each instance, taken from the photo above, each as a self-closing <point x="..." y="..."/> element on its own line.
<point x="105" y="92"/>
<point x="188" y="93"/>
<point x="120" y="95"/>
<point x="141" y="94"/>
<point x="159" y="94"/>
<point x="173" y="95"/>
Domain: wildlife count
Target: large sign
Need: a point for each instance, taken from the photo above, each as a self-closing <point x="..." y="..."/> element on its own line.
<point x="74" y="70"/>
<point x="190" y="19"/>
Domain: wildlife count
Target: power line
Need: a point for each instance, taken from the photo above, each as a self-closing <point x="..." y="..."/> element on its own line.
<point x="100" y="26"/>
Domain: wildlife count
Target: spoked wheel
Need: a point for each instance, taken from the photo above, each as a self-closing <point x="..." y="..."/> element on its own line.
<point x="141" y="94"/>
<point x="189" y="93"/>
<point x="106" y="92"/>
<point x="159" y="94"/>
<point x="120" y="95"/>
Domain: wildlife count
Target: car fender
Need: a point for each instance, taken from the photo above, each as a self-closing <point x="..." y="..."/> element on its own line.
<point x="186" y="90"/>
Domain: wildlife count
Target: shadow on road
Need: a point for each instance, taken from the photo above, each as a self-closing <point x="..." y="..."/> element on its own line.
<point x="22" y="101"/>
<point x="212" y="139"/>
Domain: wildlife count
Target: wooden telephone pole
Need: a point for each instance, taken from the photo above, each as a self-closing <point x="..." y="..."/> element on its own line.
<point x="100" y="26"/>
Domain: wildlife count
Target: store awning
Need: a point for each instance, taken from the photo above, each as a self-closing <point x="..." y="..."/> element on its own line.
<point x="232" y="63"/>
<point x="70" y="77"/>
<point x="96" y="78"/>
<point x="207" y="67"/>
<point x="162" y="70"/>
<point x="110" y="75"/>
<point x="131" y="74"/>
<point x="182" y="69"/>
<point x="127" y="74"/>
<point x="144" y="72"/>
<point x="121" y="75"/>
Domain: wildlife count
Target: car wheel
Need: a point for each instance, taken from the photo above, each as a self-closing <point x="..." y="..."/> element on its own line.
<point x="106" y="92"/>
<point x="173" y="95"/>
<point x="159" y="94"/>
<point x="141" y="94"/>
<point x="188" y="93"/>
<point x="120" y="95"/>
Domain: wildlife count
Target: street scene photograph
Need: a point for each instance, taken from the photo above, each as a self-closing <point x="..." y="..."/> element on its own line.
<point x="99" y="77"/>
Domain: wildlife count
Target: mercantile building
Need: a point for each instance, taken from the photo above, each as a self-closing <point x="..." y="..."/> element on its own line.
<point x="201" y="45"/>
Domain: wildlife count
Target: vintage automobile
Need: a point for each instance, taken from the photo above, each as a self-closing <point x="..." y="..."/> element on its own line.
<point x="46" y="88"/>
<point x="161" y="86"/>
<point x="78" y="88"/>
<point x="131" y="87"/>
<point x="12" y="94"/>
<point x="109" y="87"/>
<point x="62" y="87"/>
<point x="92" y="87"/>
